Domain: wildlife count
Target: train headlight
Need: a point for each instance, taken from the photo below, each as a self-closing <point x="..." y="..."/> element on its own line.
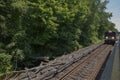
<point x="106" y="37"/>
<point x="113" y="37"/>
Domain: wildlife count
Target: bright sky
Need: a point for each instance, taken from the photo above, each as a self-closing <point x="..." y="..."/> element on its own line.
<point x="114" y="7"/>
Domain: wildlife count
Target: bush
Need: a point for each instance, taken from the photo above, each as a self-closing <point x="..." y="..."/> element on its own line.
<point x="5" y="62"/>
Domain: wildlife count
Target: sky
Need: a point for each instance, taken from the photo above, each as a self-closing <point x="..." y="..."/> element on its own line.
<point x="114" y="7"/>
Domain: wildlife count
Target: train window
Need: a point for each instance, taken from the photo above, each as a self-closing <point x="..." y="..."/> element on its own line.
<point x="110" y="34"/>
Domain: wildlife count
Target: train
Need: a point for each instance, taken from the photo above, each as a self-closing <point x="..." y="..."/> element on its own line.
<point x="110" y="37"/>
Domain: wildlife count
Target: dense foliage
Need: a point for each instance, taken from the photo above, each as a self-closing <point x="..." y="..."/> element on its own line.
<point x="48" y="28"/>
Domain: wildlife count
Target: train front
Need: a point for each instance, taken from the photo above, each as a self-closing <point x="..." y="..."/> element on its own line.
<point x="110" y="37"/>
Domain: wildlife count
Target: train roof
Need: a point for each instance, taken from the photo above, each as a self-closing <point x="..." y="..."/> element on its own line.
<point x="110" y="32"/>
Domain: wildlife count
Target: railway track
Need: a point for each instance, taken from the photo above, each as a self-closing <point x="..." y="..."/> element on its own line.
<point x="82" y="65"/>
<point x="87" y="68"/>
